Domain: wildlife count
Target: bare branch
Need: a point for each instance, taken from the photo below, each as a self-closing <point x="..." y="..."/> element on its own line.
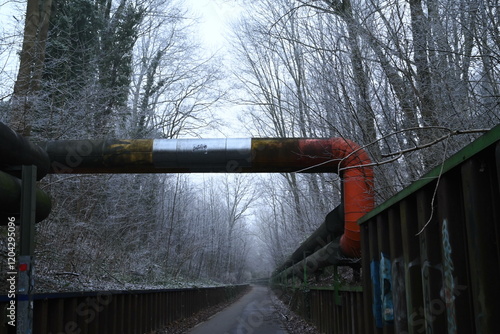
<point x="396" y="155"/>
<point x="434" y="142"/>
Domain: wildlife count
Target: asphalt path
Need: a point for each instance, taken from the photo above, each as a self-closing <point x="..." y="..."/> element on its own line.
<point x="251" y="314"/>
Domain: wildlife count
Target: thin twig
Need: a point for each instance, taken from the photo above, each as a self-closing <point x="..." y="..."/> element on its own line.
<point x="67" y="273"/>
<point x="445" y="137"/>
<point x="436" y="188"/>
<point x="398" y="154"/>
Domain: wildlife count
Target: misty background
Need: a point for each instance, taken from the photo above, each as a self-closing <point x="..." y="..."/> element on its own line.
<point x="411" y="81"/>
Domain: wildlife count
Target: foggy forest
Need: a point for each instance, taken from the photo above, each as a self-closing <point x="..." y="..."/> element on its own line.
<point x="411" y="81"/>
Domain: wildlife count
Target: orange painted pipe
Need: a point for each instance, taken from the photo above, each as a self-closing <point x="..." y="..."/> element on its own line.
<point x="353" y="165"/>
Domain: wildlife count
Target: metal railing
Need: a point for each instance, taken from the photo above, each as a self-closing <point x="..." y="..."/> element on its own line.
<point x="118" y="312"/>
<point x="431" y="254"/>
<point x="331" y="309"/>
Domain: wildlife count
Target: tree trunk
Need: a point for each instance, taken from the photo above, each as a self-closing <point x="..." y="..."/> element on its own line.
<point x="31" y="64"/>
<point x="419" y="24"/>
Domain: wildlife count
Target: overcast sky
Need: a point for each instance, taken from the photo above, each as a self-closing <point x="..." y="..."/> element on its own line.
<point x="215" y="19"/>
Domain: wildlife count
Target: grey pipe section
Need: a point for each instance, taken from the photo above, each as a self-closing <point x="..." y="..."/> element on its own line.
<point x="330" y="229"/>
<point x="10" y="200"/>
<point x="324" y="257"/>
<point x="15" y="151"/>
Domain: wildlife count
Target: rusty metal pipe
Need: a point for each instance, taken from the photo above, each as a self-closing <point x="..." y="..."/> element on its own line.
<point x="255" y="155"/>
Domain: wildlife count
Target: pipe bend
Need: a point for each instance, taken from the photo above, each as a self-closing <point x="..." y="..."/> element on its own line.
<point x="353" y="164"/>
<point x="356" y="173"/>
<point x="16" y="150"/>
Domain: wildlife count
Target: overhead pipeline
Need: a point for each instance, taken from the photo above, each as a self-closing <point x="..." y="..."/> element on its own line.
<point x="337" y="155"/>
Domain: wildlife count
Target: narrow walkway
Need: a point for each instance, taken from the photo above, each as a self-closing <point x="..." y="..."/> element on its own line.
<point x="251" y="314"/>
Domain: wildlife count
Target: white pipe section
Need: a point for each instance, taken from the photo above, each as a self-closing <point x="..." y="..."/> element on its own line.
<point x="202" y="154"/>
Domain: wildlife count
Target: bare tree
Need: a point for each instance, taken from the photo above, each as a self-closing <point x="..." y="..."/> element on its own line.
<point x="239" y="196"/>
<point x="174" y="86"/>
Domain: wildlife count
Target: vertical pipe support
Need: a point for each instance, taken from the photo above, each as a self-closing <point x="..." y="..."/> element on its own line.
<point x="27" y="245"/>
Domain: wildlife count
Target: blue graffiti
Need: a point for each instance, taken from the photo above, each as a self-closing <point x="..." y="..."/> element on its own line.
<point x="386" y="289"/>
